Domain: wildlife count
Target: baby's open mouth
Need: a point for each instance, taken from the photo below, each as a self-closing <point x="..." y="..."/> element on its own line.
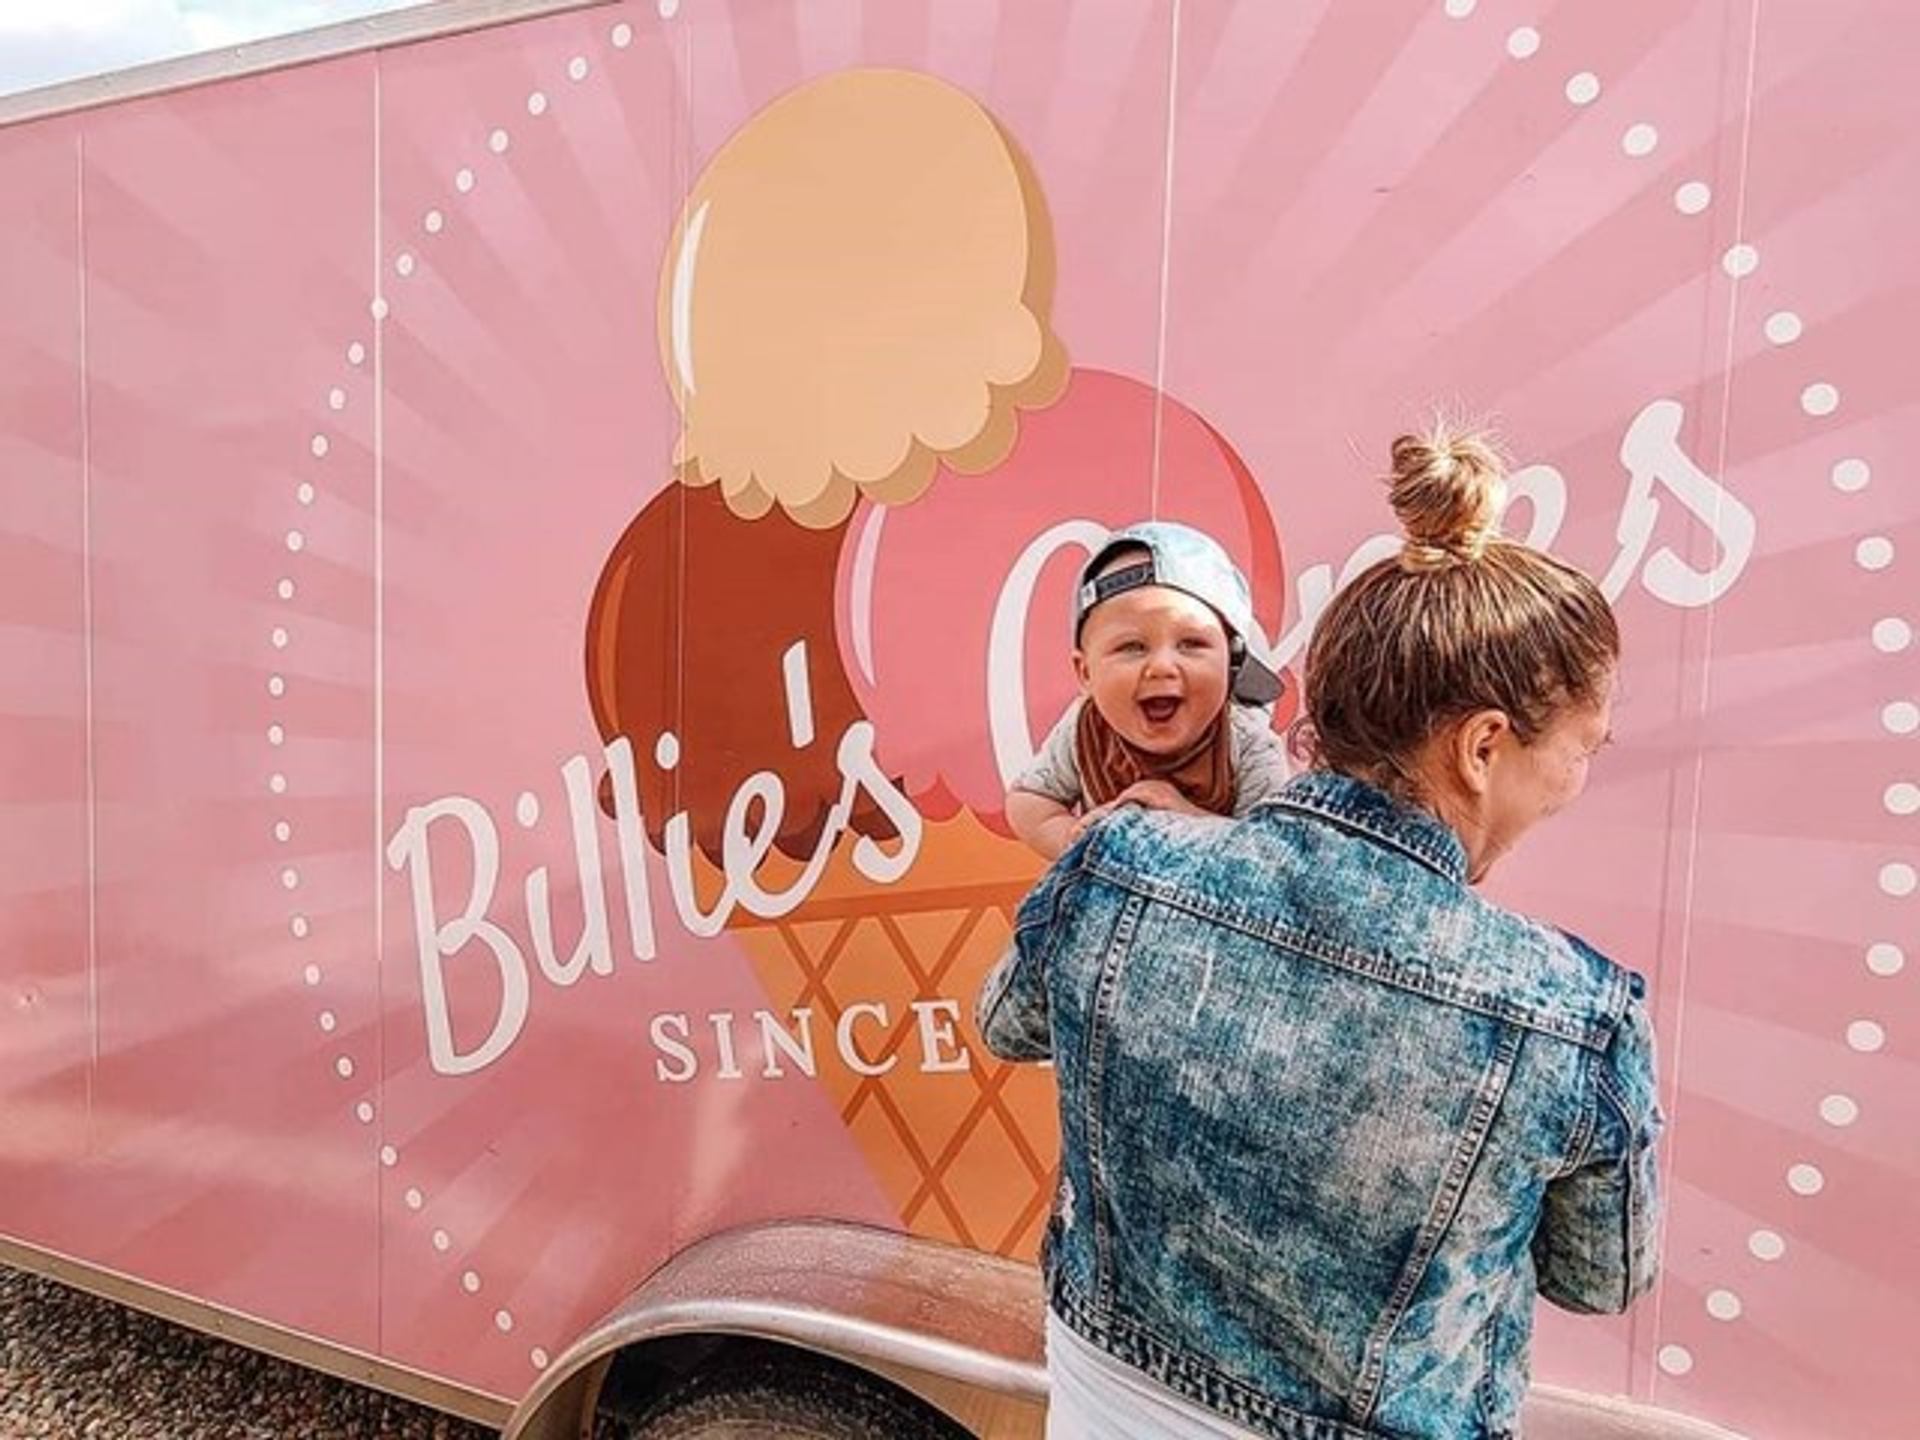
<point x="1161" y="708"/>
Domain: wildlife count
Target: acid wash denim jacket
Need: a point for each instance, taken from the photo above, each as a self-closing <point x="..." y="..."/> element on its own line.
<point x="1329" y="1120"/>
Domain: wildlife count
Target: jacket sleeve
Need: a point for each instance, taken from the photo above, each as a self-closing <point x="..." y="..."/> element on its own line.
<point x="1011" y="1009"/>
<point x="1596" y="1250"/>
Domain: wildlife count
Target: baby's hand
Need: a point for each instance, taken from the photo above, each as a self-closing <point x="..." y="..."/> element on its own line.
<point x="1086" y="819"/>
<point x="1156" y="795"/>
<point x="1147" y="794"/>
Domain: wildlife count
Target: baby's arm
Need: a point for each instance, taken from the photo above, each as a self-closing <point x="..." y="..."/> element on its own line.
<point x="1043" y="801"/>
<point x="1047" y="826"/>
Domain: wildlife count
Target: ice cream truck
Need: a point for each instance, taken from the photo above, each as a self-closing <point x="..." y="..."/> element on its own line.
<point x="534" y="535"/>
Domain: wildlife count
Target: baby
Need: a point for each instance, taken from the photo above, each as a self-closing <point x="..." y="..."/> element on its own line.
<point x="1159" y="646"/>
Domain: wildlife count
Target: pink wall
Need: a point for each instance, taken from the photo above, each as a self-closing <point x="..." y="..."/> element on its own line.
<point x="327" y="394"/>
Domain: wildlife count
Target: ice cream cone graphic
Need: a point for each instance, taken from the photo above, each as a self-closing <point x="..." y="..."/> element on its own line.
<point x="886" y="467"/>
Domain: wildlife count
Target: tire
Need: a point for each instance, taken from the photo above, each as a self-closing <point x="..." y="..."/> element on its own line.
<point x="789" y="1397"/>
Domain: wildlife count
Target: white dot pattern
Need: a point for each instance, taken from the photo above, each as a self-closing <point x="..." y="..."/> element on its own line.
<point x="470" y="1282"/>
<point x="1675" y="1359"/>
<point x="1740" y="260"/>
<point x="1897" y="879"/>
<point x="1866" y="1036"/>
<point x="1851" y="475"/>
<point x="1884" y="959"/>
<point x="1892" y="635"/>
<point x="1766" y="1245"/>
<point x="1804" y="1179"/>
<point x="1523" y="43"/>
<point x="1902" y="798"/>
<point x="1640" y="140"/>
<point x="1839" y="1110"/>
<point x="1820" y="399"/>
<point x="1783" y="327"/>
<point x="1584" y="88"/>
<point x="1874" y="553"/>
<point x="1693" y="197"/>
<point x="1723" y="1305"/>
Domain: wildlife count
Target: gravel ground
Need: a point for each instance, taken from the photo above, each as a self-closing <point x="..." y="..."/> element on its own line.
<point x="76" y="1368"/>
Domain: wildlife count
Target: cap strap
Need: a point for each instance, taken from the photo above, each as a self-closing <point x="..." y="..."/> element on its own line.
<point x="1116" y="582"/>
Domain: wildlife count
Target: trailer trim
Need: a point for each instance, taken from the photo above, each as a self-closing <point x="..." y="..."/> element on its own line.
<point x="280" y="1341"/>
<point x="302" y="47"/>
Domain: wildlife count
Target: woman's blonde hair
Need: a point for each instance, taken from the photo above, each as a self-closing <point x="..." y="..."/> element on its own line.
<point x="1461" y="620"/>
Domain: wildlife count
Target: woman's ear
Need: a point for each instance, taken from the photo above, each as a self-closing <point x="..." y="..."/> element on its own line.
<point x="1080" y="671"/>
<point x="1476" y="744"/>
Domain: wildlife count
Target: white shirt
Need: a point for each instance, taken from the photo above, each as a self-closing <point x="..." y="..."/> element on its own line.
<point x="1096" y="1397"/>
<point x="1259" y="759"/>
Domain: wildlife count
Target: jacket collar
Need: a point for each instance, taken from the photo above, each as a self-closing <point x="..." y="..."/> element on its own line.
<point x="1372" y="812"/>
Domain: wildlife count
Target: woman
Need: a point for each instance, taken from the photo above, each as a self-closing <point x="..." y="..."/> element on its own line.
<point x="1330" y="1121"/>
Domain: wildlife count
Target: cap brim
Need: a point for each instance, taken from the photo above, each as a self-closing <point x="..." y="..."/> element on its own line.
<point x="1255" y="684"/>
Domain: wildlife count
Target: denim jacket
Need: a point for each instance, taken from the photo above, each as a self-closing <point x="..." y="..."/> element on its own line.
<point x="1329" y="1120"/>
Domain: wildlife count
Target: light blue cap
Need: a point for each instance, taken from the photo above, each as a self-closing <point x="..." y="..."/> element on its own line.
<point x="1188" y="560"/>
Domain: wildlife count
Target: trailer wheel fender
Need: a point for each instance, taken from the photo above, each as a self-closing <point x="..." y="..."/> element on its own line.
<point x="876" y="1299"/>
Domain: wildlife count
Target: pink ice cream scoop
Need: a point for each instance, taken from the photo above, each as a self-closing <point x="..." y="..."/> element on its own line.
<point x="953" y="612"/>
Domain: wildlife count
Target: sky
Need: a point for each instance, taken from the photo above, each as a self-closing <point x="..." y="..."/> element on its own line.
<point x="43" y="42"/>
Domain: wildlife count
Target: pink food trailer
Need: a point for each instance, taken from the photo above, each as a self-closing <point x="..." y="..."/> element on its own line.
<point x="533" y="535"/>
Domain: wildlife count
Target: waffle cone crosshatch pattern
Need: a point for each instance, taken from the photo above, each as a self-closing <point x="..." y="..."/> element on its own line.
<point x="962" y="1143"/>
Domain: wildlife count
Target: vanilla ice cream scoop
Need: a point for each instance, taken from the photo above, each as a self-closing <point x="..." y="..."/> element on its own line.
<point x="857" y="292"/>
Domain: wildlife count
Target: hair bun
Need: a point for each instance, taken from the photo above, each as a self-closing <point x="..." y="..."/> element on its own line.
<point x="1447" y="487"/>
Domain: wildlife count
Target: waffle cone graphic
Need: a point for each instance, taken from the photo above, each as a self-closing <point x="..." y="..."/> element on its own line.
<point x="967" y="1155"/>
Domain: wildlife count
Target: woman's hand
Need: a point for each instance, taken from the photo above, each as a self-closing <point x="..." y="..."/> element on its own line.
<point x="1148" y="795"/>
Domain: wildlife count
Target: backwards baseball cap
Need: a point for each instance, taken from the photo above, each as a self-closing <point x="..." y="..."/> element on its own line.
<point x="1182" y="558"/>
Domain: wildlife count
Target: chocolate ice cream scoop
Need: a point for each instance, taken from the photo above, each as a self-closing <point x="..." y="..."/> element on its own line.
<point x="692" y="634"/>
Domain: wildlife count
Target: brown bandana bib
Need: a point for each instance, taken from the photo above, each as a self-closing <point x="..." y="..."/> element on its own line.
<point x="1108" y="764"/>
